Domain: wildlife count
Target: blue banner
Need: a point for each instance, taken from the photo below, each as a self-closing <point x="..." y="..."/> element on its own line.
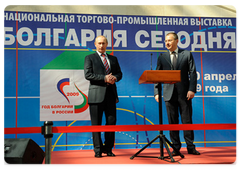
<point x="36" y="42"/>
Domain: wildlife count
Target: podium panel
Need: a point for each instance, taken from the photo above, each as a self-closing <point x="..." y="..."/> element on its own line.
<point x="160" y="76"/>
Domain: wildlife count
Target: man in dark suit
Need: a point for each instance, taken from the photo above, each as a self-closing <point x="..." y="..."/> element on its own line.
<point x="102" y="70"/>
<point x="178" y="97"/>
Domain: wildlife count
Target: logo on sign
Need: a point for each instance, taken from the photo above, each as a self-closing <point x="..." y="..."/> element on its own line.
<point x="77" y="108"/>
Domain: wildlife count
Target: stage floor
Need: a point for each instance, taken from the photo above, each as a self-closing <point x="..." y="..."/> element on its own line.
<point x="209" y="155"/>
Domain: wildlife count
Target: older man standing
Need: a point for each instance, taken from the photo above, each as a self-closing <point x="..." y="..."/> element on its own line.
<point x="102" y="70"/>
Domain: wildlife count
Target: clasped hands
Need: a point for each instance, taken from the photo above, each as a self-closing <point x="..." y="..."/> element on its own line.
<point x="110" y="79"/>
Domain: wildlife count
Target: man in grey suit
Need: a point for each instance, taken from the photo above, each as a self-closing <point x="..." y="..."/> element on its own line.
<point x="178" y="97"/>
<point x="102" y="70"/>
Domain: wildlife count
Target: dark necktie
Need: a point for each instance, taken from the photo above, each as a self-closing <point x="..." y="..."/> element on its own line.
<point x="174" y="60"/>
<point x="106" y="64"/>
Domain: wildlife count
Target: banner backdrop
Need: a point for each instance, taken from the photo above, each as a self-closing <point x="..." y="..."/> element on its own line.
<point x="44" y="79"/>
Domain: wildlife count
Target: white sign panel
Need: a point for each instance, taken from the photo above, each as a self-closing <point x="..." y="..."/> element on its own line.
<point x="63" y="95"/>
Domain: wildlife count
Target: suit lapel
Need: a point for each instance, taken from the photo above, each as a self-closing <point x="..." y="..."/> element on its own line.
<point x="180" y="56"/>
<point x="167" y="57"/>
<point x="110" y="61"/>
<point x="99" y="60"/>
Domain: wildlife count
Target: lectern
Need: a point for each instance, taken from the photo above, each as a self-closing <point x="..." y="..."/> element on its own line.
<point x="159" y="77"/>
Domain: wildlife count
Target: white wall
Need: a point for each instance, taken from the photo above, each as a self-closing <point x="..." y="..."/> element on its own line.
<point x="154" y="10"/>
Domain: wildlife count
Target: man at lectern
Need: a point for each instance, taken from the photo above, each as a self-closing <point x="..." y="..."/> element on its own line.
<point x="178" y="97"/>
<point x="102" y="70"/>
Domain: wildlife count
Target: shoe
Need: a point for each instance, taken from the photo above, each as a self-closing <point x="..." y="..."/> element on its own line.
<point x="110" y="154"/>
<point x="98" y="155"/>
<point x="193" y="151"/>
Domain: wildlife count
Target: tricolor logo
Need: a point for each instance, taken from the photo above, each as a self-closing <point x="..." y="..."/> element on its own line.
<point x="60" y="86"/>
<point x="77" y="108"/>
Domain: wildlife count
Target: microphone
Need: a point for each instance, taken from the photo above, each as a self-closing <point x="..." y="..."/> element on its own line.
<point x="151" y="61"/>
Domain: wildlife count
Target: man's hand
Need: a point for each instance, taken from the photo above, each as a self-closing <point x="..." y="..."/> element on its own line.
<point x="110" y="79"/>
<point x="157" y="98"/>
<point x="190" y="95"/>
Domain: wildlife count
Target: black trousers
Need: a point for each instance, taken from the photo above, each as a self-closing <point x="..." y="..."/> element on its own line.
<point x="108" y="106"/>
<point x="184" y="107"/>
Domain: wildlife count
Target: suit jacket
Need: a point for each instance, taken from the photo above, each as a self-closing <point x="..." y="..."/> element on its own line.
<point x="95" y="72"/>
<point x="186" y="64"/>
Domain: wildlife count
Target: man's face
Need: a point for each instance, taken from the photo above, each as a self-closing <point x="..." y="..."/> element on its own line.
<point x="170" y="43"/>
<point x="101" y="44"/>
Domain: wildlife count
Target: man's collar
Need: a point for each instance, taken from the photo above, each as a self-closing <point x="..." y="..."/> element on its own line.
<point x="101" y="53"/>
<point x="174" y="50"/>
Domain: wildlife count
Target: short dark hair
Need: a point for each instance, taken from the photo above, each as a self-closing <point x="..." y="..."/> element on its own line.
<point x="103" y="37"/>
<point x="175" y="36"/>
